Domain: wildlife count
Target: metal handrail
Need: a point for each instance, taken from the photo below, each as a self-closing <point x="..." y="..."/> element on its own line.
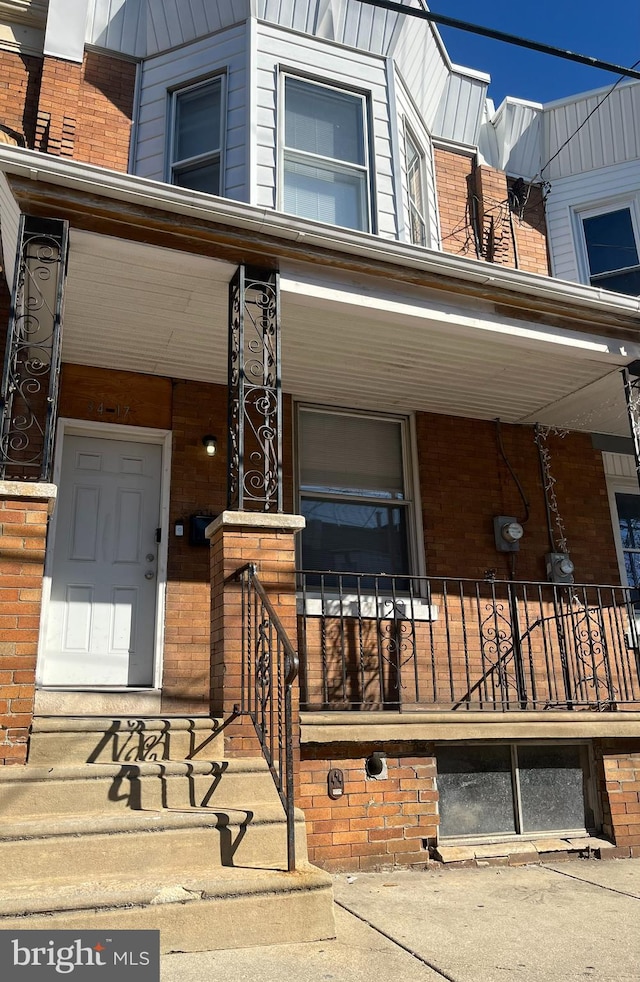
<point x="380" y="641"/>
<point x="269" y="669"/>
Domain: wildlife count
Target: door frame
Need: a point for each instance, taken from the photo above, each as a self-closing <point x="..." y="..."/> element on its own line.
<point x="132" y="434"/>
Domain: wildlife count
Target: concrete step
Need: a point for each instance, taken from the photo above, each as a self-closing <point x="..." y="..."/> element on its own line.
<point x="77" y="789"/>
<point x="69" y="740"/>
<point x="162" y="845"/>
<point x="232" y="908"/>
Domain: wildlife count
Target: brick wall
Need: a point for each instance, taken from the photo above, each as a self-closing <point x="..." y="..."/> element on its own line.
<point x="618" y="773"/>
<point x="198" y="486"/>
<point x="530" y="227"/>
<point x="23" y="525"/>
<point x="376" y="822"/>
<point x="85" y="111"/>
<point x="455" y="181"/>
<point x="465" y="482"/>
<point x="476" y="218"/>
<point x="19" y="88"/>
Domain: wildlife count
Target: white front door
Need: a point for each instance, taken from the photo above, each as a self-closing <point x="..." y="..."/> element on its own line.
<point x="102" y="611"/>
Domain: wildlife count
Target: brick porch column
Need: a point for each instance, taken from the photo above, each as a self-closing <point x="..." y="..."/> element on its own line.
<point x="238" y="538"/>
<point x="24" y="509"/>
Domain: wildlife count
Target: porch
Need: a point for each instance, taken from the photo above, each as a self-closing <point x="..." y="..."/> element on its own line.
<point x="414" y="644"/>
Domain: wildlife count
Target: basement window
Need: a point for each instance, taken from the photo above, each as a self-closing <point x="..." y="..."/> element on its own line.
<point x="513" y="789"/>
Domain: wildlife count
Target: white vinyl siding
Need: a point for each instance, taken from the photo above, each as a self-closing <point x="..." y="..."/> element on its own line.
<point x="144" y="29"/>
<point x="611" y="137"/>
<point x="422" y="65"/>
<point x="608" y="187"/>
<point x="461" y="109"/>
<point x="224" y="53"/>
<point x="342" y="68"/>
<point x="354" y="24"/>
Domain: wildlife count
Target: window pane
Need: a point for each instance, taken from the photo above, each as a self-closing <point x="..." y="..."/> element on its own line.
<point x="628" y="506"/>
<point x="476" y="791"/>
<point x="350" y="454"/>
<point x="323" y="121"/>
<point x="628" y="283"/>
<point x="197" y="124"/>
<point x="354" y="537"/>
<point x="610" y="242"/>
<point x="324" y="195"/>
<point x="551" y="788"/>
<point x="206" y="177"/>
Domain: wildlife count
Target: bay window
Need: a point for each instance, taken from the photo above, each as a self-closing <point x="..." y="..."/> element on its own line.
<point x="325" y="172"/>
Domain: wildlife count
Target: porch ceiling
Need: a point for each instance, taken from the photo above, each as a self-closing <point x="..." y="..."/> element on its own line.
<point x="345" y="340"/>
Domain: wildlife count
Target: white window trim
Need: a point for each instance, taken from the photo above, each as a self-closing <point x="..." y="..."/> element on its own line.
<point x="621" y="485"/>
<point x="220" y="154"/>
<point x="410" y="135"/>
<point x="592" y="210"/>
<point x="411" y="485"/>
<point x="304" y="156"/>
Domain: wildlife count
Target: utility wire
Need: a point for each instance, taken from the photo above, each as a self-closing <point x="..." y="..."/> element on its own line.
<point x="488" y="32"/>
<point x="586" y="120"/>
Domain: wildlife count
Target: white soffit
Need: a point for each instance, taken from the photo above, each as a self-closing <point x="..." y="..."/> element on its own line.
<point x="358" y="343"/>
<point x="142" y="308"/>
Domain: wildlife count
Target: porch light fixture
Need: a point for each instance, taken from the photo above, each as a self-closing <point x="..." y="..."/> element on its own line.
<point x="210" y="444"/>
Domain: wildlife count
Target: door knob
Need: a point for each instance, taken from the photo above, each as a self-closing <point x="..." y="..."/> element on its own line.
<point x="149" y="575"/>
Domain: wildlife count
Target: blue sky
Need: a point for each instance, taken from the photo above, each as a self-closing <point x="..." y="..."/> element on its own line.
<point x="609" y="31"/>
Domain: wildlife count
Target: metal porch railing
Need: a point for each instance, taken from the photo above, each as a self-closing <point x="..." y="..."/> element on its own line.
<point x="269" y="668"/>
<point x="429" y="643"/>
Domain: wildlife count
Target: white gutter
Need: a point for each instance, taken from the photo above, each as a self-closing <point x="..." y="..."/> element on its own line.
<point x="145" y="193"/>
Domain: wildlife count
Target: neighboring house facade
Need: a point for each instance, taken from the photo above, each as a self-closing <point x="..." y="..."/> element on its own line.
<point x="442" y="300"/>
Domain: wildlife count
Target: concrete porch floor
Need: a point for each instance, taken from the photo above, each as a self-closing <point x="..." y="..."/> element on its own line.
<point x="554" y="923"/>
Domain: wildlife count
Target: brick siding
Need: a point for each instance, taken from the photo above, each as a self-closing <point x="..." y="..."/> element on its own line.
<point x="618" y="765"/>
<point x="19" y="88"/>
<point x="464" y="482"/>
<point x="477" y="220"/>
<point x="374" y="823"/>
<point x="85" y="111"/>
<point x="23" y="525"/>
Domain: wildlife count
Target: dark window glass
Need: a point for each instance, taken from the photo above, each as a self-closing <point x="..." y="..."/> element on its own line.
<point x="551" y="788"/>
<point x="354" y="536"/>
<point x="476" y="790"/>
<point x="612" y="251"/>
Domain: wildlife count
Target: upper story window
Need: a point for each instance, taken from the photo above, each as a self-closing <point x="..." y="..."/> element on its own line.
<point x="354" y="492"/>
<point x="196" y="136"/>
<point x="325" y="155"/>
<point x="611" y="240"/>
<point x="415" y="189"/>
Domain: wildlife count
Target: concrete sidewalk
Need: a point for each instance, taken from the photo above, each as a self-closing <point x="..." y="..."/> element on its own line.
<point x="572" y="921"/>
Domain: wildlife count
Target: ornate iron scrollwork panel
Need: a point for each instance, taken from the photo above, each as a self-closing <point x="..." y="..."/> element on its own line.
<point x="255" y="392"/>
<point x="29" y="393"/>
